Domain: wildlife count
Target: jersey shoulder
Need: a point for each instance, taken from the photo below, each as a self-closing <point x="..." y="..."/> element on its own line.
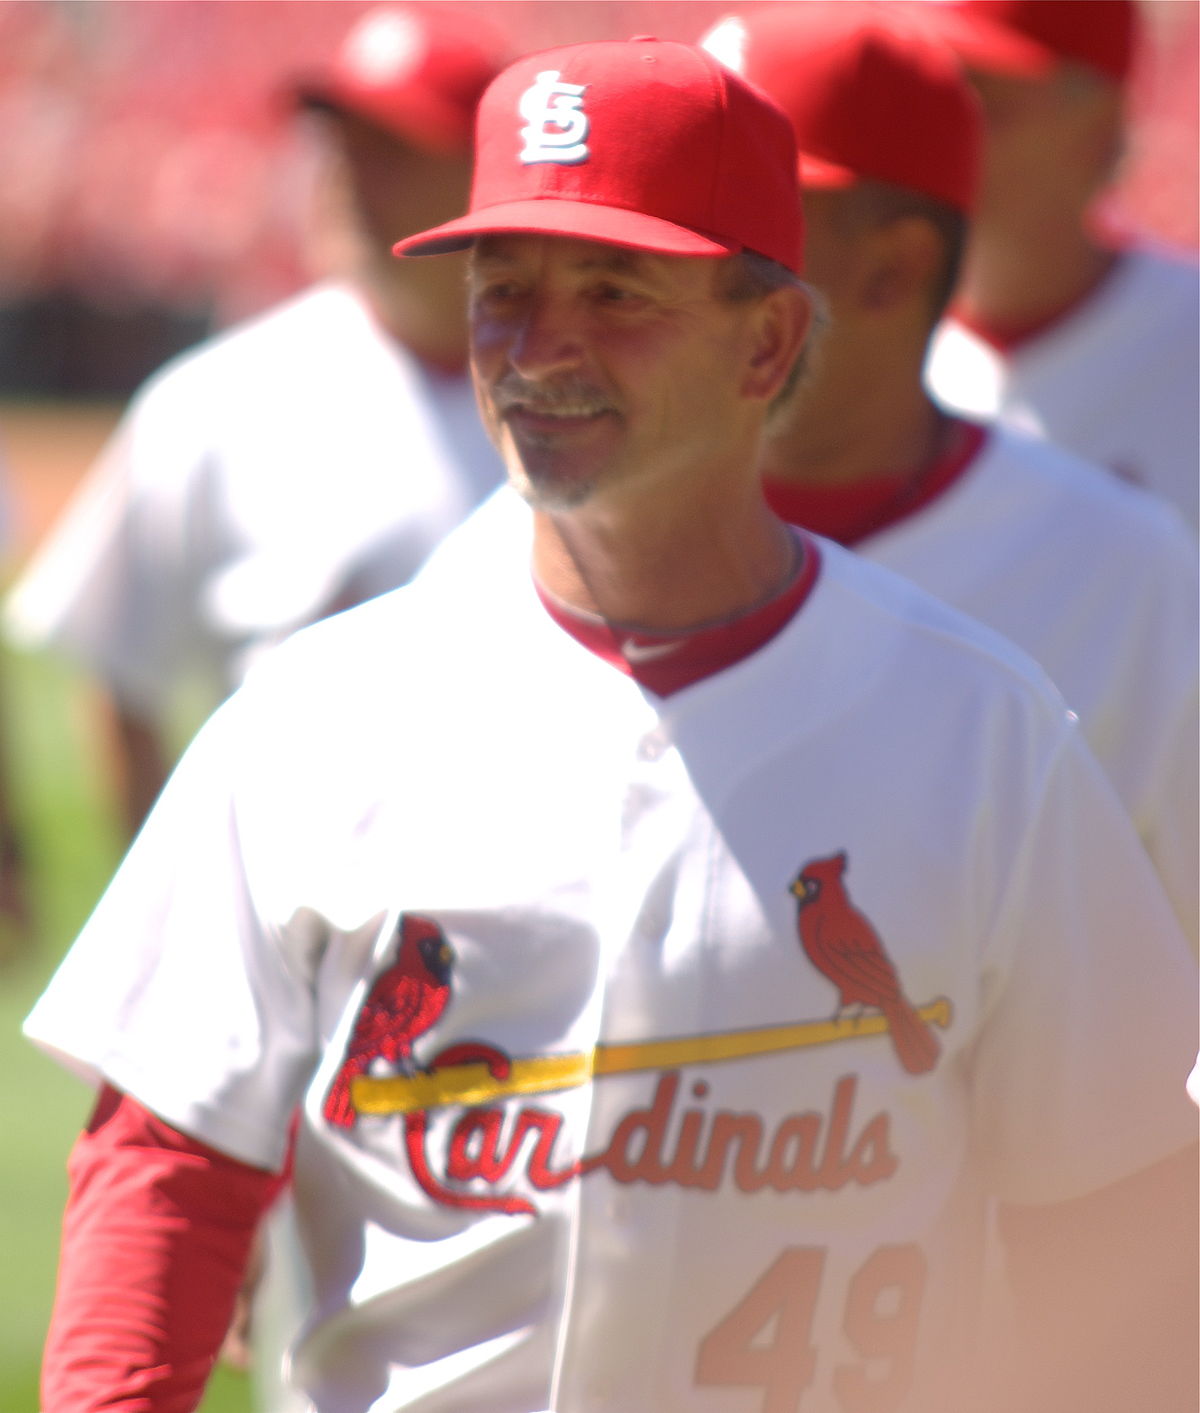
<point x="1153" y="293"/>
<point x="1042" y="483"/>
<point x="274" y="340"/>
<point x="1174" y="272"/>
<point x="430" y="631"/>
<point x="496" y="531"/>
<point x="351" y="653"/>
<point x="889" y="615"/>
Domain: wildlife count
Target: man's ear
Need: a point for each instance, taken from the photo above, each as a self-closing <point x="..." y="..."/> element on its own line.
<point x="1101" y="142"/>
<point x="783" y="319"/>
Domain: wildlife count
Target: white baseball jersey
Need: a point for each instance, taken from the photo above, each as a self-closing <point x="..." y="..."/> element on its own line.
<point x="1097" y="581"/>
<point x="291" y="465"/>
<point x="1115" y="380"/>
<point x="1094" y="579"/>
<point x="557" y="969"/>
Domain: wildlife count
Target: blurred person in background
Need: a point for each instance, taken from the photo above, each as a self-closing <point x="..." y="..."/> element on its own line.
<point x="307" y="459"/>
<point x="1055" y="326"/>
<point x="299" y="463"/>
<point x="1095" y="579"/>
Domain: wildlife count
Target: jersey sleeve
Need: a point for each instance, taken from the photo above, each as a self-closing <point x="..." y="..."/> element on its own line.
<point x="1146" y="728"/>
<point x="1173" y="836"/>
<point x="1169" y="813"/>
<point x="182" y="990"/>
<point x="111" y="585"/>
<point x="1090" y="1024"/>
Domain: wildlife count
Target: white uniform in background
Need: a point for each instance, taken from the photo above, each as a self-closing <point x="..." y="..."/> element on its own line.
<point x="1116" y="379"/>
<point x="535" y="948"/>
<point x="287" y="467"/>
<point x="1097" y="581"/>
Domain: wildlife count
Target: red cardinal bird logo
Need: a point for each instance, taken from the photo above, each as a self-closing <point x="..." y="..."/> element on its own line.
<point x="843" y="946"/>
<point x="406" y="999"/>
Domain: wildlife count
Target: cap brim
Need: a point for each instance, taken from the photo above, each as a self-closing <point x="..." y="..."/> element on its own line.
<point x="816" y="174"/>
<point x="988" y="47"/>
<point x="575" y="220"/>
<point x="416" y="119"/>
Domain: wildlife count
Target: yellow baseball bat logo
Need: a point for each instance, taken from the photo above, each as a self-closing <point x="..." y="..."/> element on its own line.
<point x="471" y="1084"/>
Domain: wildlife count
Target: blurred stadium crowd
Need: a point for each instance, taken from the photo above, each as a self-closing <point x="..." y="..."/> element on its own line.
<point x="151" y="189"/>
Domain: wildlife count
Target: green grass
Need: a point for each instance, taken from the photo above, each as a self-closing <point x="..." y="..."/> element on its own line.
<point x="72" y="844"/>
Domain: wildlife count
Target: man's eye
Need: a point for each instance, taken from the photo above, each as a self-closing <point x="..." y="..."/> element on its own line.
<point x="494" y="295"/>
<point x="616" y="294"/>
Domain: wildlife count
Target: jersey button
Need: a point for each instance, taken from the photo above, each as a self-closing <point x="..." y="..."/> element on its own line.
<point x="651" y="746"/>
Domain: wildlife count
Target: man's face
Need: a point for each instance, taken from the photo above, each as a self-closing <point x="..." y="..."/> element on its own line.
<point x="833" y="253"/>
<point x="1050" y="142"/>
<point x="599" y="369"/>
<point x="394" y="188"/>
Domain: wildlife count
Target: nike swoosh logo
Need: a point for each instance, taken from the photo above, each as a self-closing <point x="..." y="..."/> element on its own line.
<point x="646" y="652"/>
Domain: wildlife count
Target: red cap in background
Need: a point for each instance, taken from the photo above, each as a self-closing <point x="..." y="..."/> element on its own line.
<point x="1030" y="38"/>
<point x="417" y="71"/>
<point x="643" y="143"/>
<point x="871" y="94"/>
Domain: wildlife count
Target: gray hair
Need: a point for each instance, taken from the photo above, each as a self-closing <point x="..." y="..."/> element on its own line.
<point x="747" y="276"/>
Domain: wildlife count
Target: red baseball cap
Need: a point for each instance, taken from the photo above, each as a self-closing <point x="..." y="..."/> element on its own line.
<point x="643" y="143"/>
<point x="416" y="70"/>
<point x="870" y="94"/>
<point x="1030" y="38"/>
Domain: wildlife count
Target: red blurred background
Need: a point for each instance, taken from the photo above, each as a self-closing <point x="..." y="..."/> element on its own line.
<point x="152" y="187"/>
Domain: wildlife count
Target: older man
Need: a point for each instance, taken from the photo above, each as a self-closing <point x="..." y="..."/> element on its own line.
<point x="661" y="944"/>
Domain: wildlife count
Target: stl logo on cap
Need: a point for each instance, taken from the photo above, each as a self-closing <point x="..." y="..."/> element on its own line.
<point x="556" y="123"/>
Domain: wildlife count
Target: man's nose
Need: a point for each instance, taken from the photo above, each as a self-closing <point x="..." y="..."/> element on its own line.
<point x="546" y="339"/>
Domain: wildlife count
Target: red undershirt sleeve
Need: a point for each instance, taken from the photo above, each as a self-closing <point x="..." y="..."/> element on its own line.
<point x="156" y="1235"/>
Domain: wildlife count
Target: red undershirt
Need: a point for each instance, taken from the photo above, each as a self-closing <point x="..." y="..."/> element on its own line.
<point x="1007" y="338"/>
<point x="851" y="514"/>
<point x="158" y="1226"/>
<point x="156" y="1235"/>
<point x="668" y="662"/>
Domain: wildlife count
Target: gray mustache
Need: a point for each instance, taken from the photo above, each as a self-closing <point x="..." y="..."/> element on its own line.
<point x="515" y="392"/>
